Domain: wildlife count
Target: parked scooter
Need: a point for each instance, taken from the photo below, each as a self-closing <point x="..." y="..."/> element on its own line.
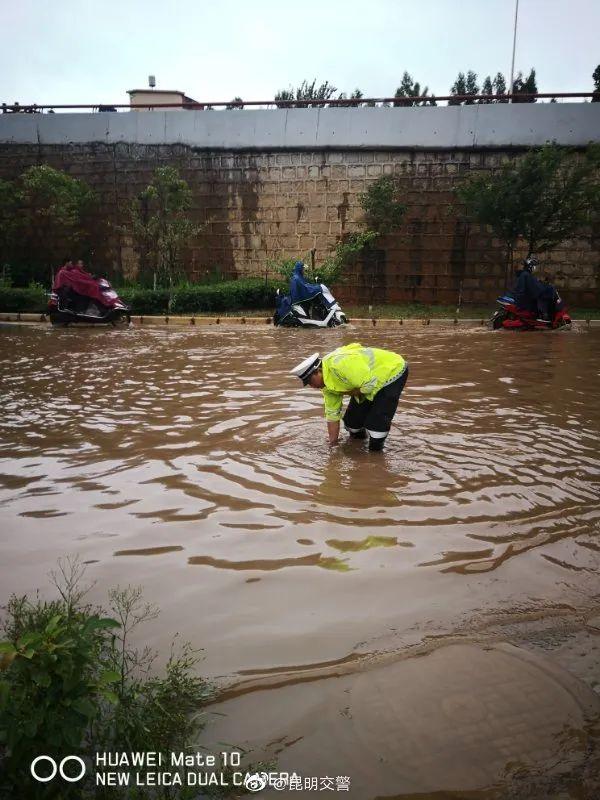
<point x="100" y="304"/>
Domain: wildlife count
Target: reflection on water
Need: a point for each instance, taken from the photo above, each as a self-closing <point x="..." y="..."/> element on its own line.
<point x="365" y="544"/>
<point x="149" y="551"/>
<point x="199" y="440"/>
<point x="314" y="560"/>
<point x="496" y="443"/>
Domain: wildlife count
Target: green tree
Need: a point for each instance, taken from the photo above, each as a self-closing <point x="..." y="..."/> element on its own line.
<point x="236" y="103"/>
<point x="54" y="219"/>
<point x="353" y="100"/>
<point x="382" y="206"/>
<point x="383" y="212"/>
<point x="596" y="79"/>
<point x="487" y="88"/>
<point x="471" y="86"/>
<point x="160" y="225"/>
<point x="305" y="93"/>
<point x="458" y="88"/>
<point x="525" y="86"/>
<point x="499" y="84"/>
<point x="9" y="217"/>
<point x="464" y="86"/>
<point x="409" y="89"/>
<point x="543" y="198"/>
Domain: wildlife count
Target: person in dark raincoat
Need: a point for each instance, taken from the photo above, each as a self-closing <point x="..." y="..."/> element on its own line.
<point x="300" y="288"/>
<point x="526" y="289"/>
<point x="531" y="294"/>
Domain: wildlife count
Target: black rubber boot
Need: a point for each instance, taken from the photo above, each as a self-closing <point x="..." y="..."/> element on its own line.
<point x="376" y="444"/>
<point x="361" y="434"/>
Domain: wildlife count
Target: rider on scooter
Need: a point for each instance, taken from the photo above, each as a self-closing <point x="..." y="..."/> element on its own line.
<point x="302" y="290"/>
<point x="531" y="294"/>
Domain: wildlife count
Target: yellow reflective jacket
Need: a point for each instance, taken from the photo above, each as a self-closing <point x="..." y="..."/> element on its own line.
<point x="356" y="367"/>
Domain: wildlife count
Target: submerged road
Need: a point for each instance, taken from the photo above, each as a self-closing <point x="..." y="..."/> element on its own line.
<point x="188" y="461"/>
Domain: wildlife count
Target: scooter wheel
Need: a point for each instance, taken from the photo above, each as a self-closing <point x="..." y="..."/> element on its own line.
<point x="497" y="320"/>
<point x="122" y="321"/>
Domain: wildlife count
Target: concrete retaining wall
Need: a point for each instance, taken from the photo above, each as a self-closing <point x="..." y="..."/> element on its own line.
<point x="501" y="125"/>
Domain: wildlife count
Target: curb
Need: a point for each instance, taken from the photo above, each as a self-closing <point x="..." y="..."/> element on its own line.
<point x="181" y="321"/>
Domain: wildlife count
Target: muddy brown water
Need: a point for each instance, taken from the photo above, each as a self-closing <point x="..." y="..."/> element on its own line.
<point x="189" y="462"/>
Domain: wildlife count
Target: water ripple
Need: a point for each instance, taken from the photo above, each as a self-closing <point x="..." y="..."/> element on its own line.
<point x="203" y="434"/>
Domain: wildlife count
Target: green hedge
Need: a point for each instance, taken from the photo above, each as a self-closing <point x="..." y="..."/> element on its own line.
<point x="248" y="293"/>
<point x="34" y="301"/>
<point x="145" y="301"/>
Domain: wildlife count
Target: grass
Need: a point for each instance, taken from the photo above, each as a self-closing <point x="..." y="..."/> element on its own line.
<point x="402" y="311"/>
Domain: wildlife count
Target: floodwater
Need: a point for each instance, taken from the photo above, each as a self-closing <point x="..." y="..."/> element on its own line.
<point x="342" y="598"/>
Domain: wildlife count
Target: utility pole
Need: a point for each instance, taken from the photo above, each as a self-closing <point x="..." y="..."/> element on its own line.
<point x="512" y="66"/>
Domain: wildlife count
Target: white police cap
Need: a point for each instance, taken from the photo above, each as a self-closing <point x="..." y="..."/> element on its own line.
<point x="306" y="368"/>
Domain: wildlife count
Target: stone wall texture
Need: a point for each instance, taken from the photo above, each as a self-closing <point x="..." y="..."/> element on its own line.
<point x="258" y="207"/>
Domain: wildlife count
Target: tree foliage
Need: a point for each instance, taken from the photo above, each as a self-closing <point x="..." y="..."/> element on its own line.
<point x="353" y="101"/>
<point x="383" y="213"/>
<point x="499" y="84"/>
<point x="382" y="205"/>
<point x="487" y="87"/>
<point x="471" y="86"/>
<point x="458" y="88"/>
<point x="409" y="89"/>
<point x="464" y="85"/>
<point x="45" y="215"/>
<point x="543" y="197"/>
<point x="596" y="79"/>
<point x="525" y="86"/>
<point x="307" y="94"/>
<point x="9" y="218"/>
<point x="467" y="85"/>
<point x="160" y="225"/>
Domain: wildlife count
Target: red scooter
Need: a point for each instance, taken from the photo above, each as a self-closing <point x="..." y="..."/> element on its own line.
<point x="86" y="299"/>
<point x="513" y="318"/>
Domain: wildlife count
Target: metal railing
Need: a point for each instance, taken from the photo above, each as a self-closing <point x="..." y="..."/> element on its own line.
<point x="395" y="102"/>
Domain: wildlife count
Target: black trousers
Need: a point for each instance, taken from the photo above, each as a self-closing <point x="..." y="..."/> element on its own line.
<point x="375" y="416"/>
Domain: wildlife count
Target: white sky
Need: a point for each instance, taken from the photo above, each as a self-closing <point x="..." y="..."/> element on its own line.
<point x="92" y="51"/>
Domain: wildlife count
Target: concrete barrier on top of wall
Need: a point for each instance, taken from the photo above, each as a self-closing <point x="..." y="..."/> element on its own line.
<point x="473" y="126"/>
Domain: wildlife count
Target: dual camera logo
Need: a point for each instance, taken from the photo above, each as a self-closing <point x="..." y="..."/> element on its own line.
<point x="39" y="769"/>
<point x="45" y="768"/>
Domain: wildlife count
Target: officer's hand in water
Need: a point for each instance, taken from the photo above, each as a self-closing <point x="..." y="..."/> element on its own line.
<point x="333" y="433"/>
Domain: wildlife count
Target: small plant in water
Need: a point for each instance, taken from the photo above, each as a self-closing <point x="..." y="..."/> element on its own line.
<point x="71" y="683"/>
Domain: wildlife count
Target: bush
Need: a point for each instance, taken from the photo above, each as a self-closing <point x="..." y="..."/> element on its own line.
<point x="33" y="300"/>
<point x="248" y="293"/>
<point x="146" y="301"/>
<point x="72" y="684"/>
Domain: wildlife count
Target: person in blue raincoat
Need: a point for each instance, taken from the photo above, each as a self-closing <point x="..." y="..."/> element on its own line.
<point x="301" y="289"/>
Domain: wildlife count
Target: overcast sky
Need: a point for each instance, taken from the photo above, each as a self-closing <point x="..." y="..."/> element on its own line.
<point x="93" y="51"/>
